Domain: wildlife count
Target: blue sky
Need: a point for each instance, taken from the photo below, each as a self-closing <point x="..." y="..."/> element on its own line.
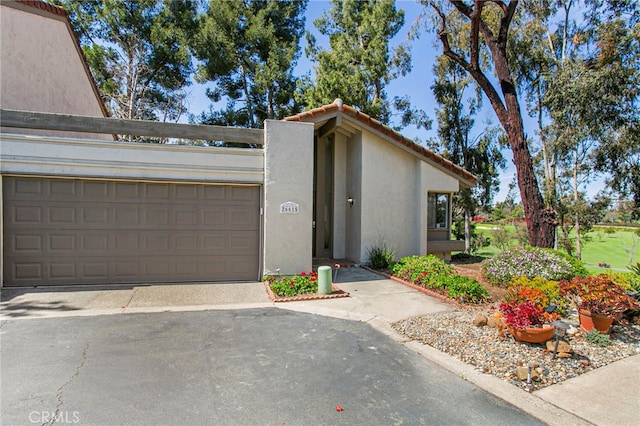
<point x="417" y="84"/>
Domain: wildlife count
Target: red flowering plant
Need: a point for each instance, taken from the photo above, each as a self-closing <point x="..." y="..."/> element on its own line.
<point x="305" y="283"/>
<point x="526" y="307"/>
<point x="521" y="315"/>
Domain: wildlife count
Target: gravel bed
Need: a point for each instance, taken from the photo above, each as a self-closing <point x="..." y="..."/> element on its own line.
<point x="454" y="333"/>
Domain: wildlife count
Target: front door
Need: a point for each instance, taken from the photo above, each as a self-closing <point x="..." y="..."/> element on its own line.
<point x="323" y="198"/>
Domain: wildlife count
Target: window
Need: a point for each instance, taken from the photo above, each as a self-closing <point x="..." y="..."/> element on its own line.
<point x="438" y="211"/>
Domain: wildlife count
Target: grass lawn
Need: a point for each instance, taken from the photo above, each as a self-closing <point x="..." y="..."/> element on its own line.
<point x="612" y="249"/>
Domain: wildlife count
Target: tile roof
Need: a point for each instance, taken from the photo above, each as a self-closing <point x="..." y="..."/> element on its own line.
<point x="56" y="10"/>
<point x="431" y="157"/>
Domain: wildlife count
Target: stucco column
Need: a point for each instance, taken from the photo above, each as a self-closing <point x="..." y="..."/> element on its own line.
<point x="340" y="196"/>
<point x="422" y="196"/>
<point x="288" y="197"/>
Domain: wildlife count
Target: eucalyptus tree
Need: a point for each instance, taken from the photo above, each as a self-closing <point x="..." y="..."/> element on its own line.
<point x="360" y="61"/>
<point x="138" y="53"/>
<point x="247" y="50"/>
<point x="487" y="29"/>
<point x="586" y="83"/>
<point x="616" y="30"/>
<point x="480" y="155"/>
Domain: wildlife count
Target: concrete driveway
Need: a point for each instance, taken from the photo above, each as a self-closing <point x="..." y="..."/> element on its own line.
<point x="261" y="366"/>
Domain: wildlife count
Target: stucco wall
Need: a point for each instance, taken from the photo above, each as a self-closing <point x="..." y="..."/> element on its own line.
<point x="41" y="70"/>
<point x="288" y="177"/>
<point x="438" y="181"/>
<point x="340" y="196"/>
<point x="393" y="201"/>
<point x="20" y="154"/>
<point x="353" y="213"/>
<point x="389" y="202"/>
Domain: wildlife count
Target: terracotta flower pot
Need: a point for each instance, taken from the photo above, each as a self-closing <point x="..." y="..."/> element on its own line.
<point x="532" y="334"/>
<point x="590" y="320"/>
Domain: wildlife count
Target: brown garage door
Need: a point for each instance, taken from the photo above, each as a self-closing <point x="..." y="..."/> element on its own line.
<point x="70" y="231"/>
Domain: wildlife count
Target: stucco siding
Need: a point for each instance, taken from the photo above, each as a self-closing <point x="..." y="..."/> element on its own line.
<point x="340" y="196"/>
<point x="438" y="181"/>
<point x="40" y="156"/>
<point x="354" y="191"/>
<point x="288" y="178"/>
<point x="41" y="69"/>
<point x="390" y="207"/>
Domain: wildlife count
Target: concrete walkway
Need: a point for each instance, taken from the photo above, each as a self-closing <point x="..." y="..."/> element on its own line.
<point x="607" y="396"/>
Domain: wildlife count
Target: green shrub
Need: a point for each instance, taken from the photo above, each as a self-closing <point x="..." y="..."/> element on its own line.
<point x="549" y="288"/>
<point x="578" y="268"/>
<point x="421" y="269"/>
<point x="381" y="256"/>
<point x="501" y="237"/>
<point x="530" y="262"/>
<point x="465" y="289"/>
<point x="305" y="283"/>
<point x="479" y="241"/>
<point x="522" y="234"/>
<point x="627" y="280"/>
<point x="433" y="273"/>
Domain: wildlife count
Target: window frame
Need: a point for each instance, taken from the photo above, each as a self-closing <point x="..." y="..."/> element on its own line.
<point x="432" y="219"/>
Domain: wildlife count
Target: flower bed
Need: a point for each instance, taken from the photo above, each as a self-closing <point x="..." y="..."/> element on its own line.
<point x="298" y="287"/>
<point x="491" y="353"/>
<point x="529" y="262"/>
<point x="430" y="272"/>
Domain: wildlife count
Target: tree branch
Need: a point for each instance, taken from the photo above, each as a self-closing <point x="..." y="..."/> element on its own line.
<point x="475" y="72"/>
<point x="475" y="28"/>
<point x="505" y="22"/>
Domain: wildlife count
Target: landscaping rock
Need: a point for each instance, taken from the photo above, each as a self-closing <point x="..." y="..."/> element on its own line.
<point x="562" y="346"/>
<point x="453" y="332"/>
<point x="523" y="372"/>
<point x="493" y="322"/>
<point x="480" y="320"/>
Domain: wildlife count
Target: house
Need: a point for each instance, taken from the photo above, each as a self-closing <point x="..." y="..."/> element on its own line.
<point x="83" y="209"/>
<point x="43" y="68"/>
<point x="328" y="183"/>
<point x="372" y="185"/>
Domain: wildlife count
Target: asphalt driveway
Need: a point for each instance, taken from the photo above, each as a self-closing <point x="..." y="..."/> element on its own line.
<point x="242" y="367"/>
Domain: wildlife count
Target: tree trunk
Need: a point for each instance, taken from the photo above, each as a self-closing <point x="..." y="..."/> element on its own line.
<point x="467" y="230"/>
<point x="578" y="242"/>
<point x="576" y="198"/>
<point x="540" y="218"/>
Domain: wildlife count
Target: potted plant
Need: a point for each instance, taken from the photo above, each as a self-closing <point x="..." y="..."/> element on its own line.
<point x="525" y="320"/>
<point x="598" y="300"/>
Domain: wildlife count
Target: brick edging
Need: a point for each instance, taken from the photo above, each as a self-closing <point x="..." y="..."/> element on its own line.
<point x="420" y="289"/>
<point x="336" y="293"/>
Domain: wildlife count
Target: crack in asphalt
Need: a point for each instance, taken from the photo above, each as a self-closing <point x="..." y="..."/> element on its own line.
<point x="59" y="394"/>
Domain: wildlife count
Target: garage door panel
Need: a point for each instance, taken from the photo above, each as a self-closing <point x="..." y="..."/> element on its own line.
<point x="82" y="232"/>
<point x="62" y="270"/>
<point x="26" y="214"/>
<point x="27" y="243"/>
<point x="26" y="270"/>
<point x="63" y="242"/>
<point x="94" y="190"/>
